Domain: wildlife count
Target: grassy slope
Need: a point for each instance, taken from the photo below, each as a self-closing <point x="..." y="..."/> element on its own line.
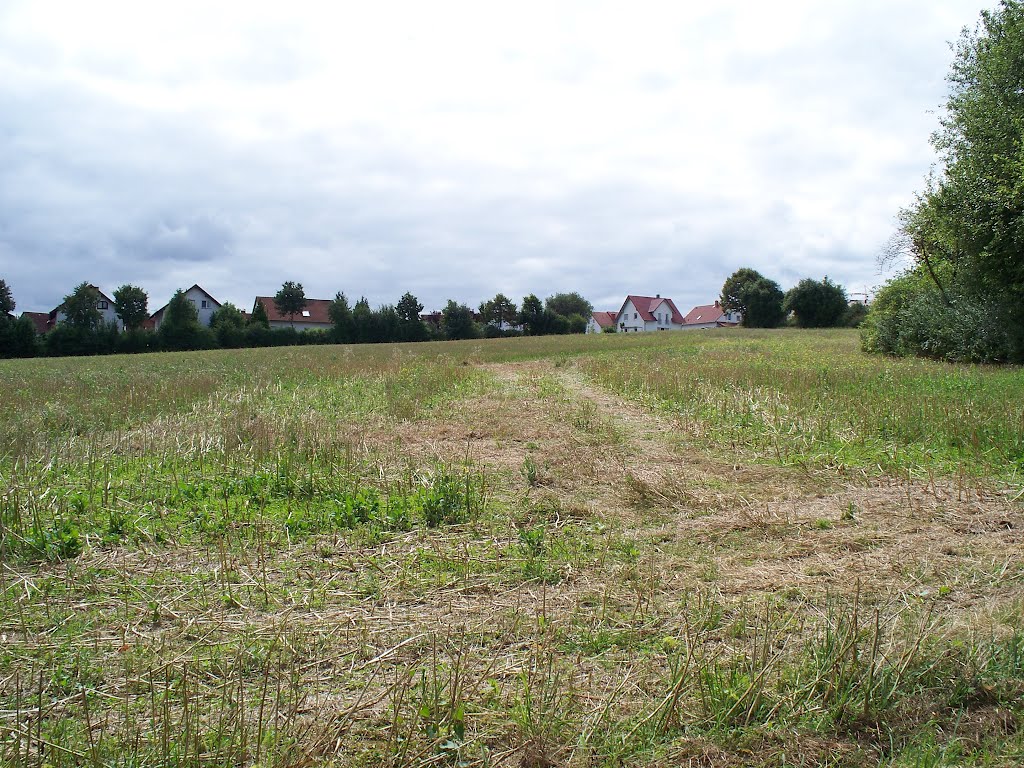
<point x="735" y="547"/>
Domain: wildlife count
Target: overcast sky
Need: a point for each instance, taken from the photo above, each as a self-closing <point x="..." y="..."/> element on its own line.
<point x="458" y="149"/>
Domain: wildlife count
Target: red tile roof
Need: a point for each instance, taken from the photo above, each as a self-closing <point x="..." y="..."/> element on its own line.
<point x="646" y="306"/>
<point x="708" y="313"/>
<point x="605" y="319"/>
<point x="41" y="320"/>
<point x="317" y="309"/>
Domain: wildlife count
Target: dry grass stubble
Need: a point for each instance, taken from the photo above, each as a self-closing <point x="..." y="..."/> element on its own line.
<point x="637" y="526"/>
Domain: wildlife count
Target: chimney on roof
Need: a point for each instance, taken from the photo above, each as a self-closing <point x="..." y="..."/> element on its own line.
<point x="717" y="304"/>
<point x="657" y="295"/>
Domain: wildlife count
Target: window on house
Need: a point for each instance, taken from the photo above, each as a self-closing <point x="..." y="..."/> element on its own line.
<point x="305" y="313"/>
<point x="193" y="301"/>
<point x="634" y="315"/>
<point x="103" y="305"/>
<point x="205" y="304"/>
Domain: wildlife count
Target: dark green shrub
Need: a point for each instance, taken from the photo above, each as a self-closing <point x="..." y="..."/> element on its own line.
<point x="911" y="317"/>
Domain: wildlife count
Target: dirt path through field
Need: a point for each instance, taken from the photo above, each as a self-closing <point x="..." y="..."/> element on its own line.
<point x="752" y="529"/>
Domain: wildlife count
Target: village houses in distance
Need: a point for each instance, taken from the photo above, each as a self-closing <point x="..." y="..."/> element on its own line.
<point x="637" y="314"/>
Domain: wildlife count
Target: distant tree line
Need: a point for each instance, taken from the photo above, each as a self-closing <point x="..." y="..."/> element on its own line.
<point x="83" y="331"/>
<point x="808" y="304"/>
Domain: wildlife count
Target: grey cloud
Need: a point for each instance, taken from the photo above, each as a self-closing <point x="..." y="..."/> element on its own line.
<point x="195" y="239"/>
<point x="92" y="187"/>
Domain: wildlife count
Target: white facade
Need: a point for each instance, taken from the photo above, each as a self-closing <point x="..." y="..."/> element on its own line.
<point x="302" y="322"/>
<point x="659" y="316"/>
<point x="599" y="321"/>
<point x="204" y="303"/>
<point x="629" y="319"/>
<point x="105" y="306"/>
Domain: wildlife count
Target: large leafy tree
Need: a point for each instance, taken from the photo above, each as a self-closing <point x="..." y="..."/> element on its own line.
<point x="180" y="327"/>
<point x="965" y="231"/>
<point x="409" y="308"/>
<point x="531" y="315"/>
<point x="410" y="326"/>
<point x="735" y="287"/>
<point x="816" y="304"/>
<point x="499" y="310"/>
<point x="457" y="321"/>
<point x="227" y="316"/>
<point x="290" y="300"/>
<point x="568" y="304"/>
<point x="82" y="308"/>
<point x="755" y="297"/>
<point x="131" y="304"/>
<point x="973" y="214"/>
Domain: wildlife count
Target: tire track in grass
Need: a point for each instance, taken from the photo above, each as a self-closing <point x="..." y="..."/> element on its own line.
<point x="753" y="530"/>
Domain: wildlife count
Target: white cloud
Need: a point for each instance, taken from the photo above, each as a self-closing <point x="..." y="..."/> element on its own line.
<point x="457" y="149"/>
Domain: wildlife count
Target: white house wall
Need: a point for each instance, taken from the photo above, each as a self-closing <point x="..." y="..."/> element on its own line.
<point x="300" y="325"/>
<point x="625" y="321"/>
<point x="107" y="313"/>
<point x="639" y="325"/>
<point x="205" y="306"/>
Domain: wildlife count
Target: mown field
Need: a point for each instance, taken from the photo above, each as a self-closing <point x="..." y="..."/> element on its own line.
<point x="718" y="548"/>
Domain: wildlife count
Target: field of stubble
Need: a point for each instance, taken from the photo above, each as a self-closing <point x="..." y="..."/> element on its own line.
<point x="711" y="548"/>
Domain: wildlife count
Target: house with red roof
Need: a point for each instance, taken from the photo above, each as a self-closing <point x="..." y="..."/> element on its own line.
<point x="601" y="320"/>
<point x="711" y="316"/>
<point x="648" y="313"/>
<point x="40" y="321"/>
<point x="314" y="317"/>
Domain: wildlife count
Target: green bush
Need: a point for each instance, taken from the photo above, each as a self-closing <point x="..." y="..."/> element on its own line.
<point x="911" y="317"/>
<point x="67" y="339"/>
<point x="136" y="340"/>
<point x="18" y="338"/>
